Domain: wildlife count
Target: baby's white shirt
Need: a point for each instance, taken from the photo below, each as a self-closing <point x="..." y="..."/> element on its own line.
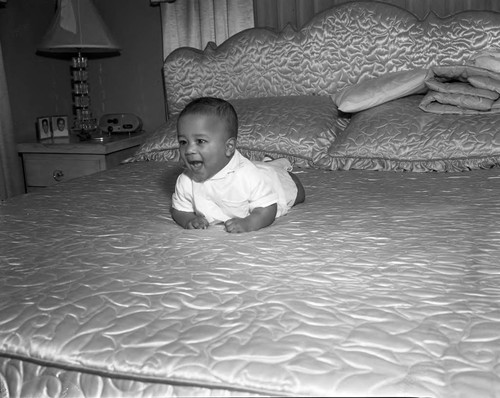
<point x="233" y="192"/>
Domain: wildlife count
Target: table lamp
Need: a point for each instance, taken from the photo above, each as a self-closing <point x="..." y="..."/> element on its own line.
<point x="77" y="28"/>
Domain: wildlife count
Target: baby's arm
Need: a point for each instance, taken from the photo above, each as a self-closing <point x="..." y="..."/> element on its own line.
<point x="189" y="220"/>
<point x="258" y="218"/>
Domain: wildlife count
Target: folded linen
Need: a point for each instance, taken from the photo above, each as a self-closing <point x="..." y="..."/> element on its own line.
<point x="488" y="60"/>
<point x="461" y="89"/>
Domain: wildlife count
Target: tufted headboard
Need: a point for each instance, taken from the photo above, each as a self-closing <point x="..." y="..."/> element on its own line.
<point x="338" y="47"/>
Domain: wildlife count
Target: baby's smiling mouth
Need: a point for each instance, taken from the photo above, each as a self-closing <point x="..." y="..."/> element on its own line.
<point x="195" y="164"/>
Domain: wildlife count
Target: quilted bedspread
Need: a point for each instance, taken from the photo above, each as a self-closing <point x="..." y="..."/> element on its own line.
<point x="380" y="284"/>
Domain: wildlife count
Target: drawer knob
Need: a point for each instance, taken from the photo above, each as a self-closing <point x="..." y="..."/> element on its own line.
<point x="57" y="175"/>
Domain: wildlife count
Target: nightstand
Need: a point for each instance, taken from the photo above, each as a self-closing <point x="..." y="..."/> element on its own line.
<point x="55" y="160"/>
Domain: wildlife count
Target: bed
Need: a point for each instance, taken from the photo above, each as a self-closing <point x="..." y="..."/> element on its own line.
<point x="385" y="282"/>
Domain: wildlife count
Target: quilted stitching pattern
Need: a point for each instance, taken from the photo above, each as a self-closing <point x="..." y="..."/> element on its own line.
<point x="33" y="378"/>
<point x="400" y="136"/>
<point x="337" y="48"/>
<point x="393" y="289"/>
<point x="300" y="128"/>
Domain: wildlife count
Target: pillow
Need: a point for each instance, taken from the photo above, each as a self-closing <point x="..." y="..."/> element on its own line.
<point x="488" y="60"/>
<point x="161" y="145"/>
<point x="376" y="91"/>
<point x="300" y="128"/>
<point x="400" y="136"/>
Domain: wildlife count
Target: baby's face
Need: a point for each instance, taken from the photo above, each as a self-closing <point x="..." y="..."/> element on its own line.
<point x="203" y="143"/>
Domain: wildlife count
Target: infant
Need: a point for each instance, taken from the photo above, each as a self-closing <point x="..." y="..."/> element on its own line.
<point x="220" y="185"/>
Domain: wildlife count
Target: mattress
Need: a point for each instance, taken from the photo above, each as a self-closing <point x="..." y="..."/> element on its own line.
<point x="380" y="284"/>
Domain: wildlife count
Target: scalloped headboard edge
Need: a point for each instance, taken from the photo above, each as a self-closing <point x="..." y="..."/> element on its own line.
<point x="338" y="47"/>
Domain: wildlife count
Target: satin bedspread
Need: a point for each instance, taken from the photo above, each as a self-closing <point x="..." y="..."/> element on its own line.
<point x="380" y="284"/>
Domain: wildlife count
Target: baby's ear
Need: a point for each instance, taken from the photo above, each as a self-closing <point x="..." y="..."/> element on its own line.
<point x="230" y="146"/>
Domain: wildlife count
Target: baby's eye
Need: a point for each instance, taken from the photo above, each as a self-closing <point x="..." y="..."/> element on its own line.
<point x="182" y="142"/>
<point x="201" y="141"/>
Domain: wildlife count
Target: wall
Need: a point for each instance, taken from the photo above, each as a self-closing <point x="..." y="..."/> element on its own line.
<point x="41" y="85"/>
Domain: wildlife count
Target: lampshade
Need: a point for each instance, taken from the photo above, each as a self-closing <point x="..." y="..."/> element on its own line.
<point x="77" y="26"/>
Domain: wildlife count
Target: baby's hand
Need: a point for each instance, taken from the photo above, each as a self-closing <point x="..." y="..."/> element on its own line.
<point x="258" y="218"/>
<point x="236" y="225"/>
<point x="199" y="222"/>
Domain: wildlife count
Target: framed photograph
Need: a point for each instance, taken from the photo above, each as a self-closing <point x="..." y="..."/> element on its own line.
<point x="59" y="125"/>
<point x="43" y="128"/>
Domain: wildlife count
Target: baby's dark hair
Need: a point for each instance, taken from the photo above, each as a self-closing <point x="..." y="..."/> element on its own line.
<point x="216" y="107"/>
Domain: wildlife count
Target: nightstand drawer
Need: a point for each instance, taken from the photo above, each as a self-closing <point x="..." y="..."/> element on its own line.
<point x="61" y="159"/>
<point x="44" y="170"/>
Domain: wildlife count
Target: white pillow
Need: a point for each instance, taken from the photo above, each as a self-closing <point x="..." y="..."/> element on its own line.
<point x="372" y="92"/>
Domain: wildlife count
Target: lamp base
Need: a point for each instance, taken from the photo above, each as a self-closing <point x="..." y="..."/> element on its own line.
<point x="99" y="136"/>
<point x="93" y="136"/>
<point x="83" y="119"/>
<point x="83" y="135"/>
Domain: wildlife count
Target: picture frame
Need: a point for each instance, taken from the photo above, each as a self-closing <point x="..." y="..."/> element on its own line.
<point x="43" y="128"/>
<point x="59" y="124"/>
